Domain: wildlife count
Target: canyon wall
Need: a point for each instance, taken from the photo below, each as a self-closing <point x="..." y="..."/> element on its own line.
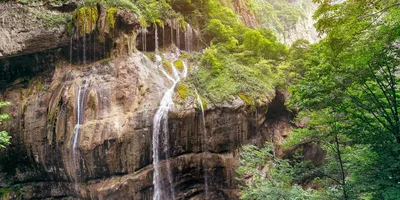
<point x="81" y="126"/>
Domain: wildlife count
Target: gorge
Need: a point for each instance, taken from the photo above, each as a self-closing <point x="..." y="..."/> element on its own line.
<point x="106" y="104"/>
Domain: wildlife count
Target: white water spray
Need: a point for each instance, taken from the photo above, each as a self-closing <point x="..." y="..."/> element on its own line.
<point x="204" y="144"/>
<point x="172" y="31"/>
<point x="156" y="37"/>
<point x="160" y="131"/>
<point x="143" y="32"/>
<point x="80" y="108"/>
<point x="178" y="41"/>
<point x="188" y="38"/>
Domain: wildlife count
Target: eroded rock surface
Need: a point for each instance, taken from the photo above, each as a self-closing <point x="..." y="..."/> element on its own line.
<point x="27" y="30"/>
<point x="117" y="101"/>
<point x="114" y="145"/>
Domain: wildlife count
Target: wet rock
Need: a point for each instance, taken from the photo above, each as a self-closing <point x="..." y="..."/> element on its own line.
<point x="114" y="145"/>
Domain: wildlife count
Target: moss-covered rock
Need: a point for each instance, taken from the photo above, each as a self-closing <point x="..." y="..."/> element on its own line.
<point x="247" y="99"/>
<point x="179" y="65"/>
<point x="110" y="17"/>
<point x="85" y="19"/>
<point x="183" y="91"/>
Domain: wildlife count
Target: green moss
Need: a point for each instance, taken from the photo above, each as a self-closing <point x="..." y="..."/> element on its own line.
<point x="110" y="17"/>
<point x="39" y="85"/>
<point x="70" y="26"/>
<point x="247" y="99"/>
<point x="179" y="65"/>
<point x="105" y="61"/>
<point x="50" y="19"/>
<point x="183" y="91"/>
<point x="14" y="189"/>
<point x="85" y="19"/>
<point x="167" y="66"/>
<point x="5" y="191"/>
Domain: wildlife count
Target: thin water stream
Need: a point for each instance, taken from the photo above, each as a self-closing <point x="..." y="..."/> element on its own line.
<point x="161" y="136"/>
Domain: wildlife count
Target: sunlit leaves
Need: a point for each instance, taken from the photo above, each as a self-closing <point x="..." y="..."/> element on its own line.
<point x="4" y="138"/>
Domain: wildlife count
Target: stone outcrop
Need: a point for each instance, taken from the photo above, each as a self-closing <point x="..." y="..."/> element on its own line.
<point x="27" y="30"/>
<point x="115" y="156"/>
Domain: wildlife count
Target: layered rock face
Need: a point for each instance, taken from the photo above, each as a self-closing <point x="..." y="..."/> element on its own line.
<point x="85" y="131"/>
<point x="114" y="149"/>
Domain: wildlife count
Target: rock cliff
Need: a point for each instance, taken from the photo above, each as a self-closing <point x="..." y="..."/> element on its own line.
<point x="84" y="130"/>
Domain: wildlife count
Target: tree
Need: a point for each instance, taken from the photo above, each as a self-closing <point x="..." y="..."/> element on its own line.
<point x="266" y="177"/>
<point x="356" y="76"/>
<point x="4" y="138"/>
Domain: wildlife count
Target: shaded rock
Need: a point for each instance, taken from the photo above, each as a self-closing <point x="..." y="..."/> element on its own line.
<point x="25" y="29"/>
<point x="114" y="145"/>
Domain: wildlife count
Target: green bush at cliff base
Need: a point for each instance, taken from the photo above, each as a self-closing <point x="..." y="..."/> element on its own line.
<point x="4" y="138"/>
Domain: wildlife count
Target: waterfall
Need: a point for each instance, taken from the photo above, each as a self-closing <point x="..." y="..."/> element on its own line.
<point x="163" y="36"/>
<point x="178" y="41"/>
<point x="143" y="32"/>
<point x="172" y="32"/>
<point x="204" y="144"/>
<point x="159" y="66"/>
<point x="160" y="131"/>
<point x="156" y="37"/>
<point x="80" y="108"/>
<point x="185" y="69"/>
<point x="188" y="37"/>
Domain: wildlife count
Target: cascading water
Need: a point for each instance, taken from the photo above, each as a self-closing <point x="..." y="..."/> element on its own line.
<point x="156" y="37"/>
<point x="178" y="41"/>
<point x="163" y="36"/>
<point x="188" y="38"/>
<point x="143" y="32"/>
<point x="172" y="31"/>
<point x="204" y="144"/>
<point x="160" y="131"/>
<point x="80" y="106"/>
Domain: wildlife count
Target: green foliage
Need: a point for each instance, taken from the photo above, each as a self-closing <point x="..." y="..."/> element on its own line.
<point x="219" y="31"/>
<point x="248" y="100"/>
<point x="266" y="177"/>
<point x="224" y="75"/>
<point x="240" y="60"/>
<point x="149" y="11"/>
<point x="110" y="17"/>
<point x="278" y="15"/>
<point x="353" y="75"/>
<point x="179" y="65"/>
<point x="85" y="19"/>
<point x="50" y="19"/>
<point x="16" y="189"/>
<point x="183" y="91"/>
<point x="4" y="138"/>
